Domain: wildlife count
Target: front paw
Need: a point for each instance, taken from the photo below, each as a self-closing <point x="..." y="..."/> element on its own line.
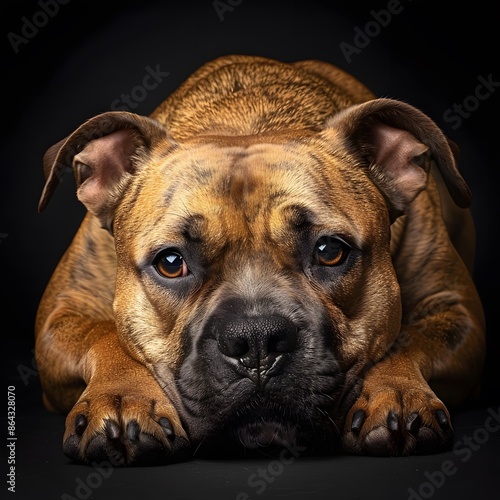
<point x="391" y="421"/>
<point x="124" y="429"/>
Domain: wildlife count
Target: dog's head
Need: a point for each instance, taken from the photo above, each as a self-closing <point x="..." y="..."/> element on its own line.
<point x="254" y="274"/>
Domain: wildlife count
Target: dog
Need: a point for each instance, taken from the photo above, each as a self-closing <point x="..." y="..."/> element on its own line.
<point x="274" y="258"/>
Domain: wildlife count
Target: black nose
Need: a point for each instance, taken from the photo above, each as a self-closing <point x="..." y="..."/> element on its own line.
<point x="257" y="341"/>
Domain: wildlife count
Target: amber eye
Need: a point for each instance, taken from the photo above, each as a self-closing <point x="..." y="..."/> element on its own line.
<point x="331" y="251"/>
<point x="171" y="265"/>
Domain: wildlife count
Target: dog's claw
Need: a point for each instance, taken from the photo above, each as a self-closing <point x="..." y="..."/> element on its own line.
<point x="80" y="424"/>
<point x="428" y="440"/>
<point x="166" y="425"/>
<point x="133" y="431"/>
<point x="442" y="419"/>
<point x="392" y="422"/>
<point x="384" y="424"/>
<point x="357" y="421"/>
<point x="125" y="433"/>
<point x="112" y="429"/>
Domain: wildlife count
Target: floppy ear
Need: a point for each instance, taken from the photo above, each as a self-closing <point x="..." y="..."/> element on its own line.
<point x="397" y="142"/>
<point x="104" y="153"/>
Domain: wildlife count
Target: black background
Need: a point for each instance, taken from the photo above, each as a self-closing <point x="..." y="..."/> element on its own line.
<point x="86" y="55"/>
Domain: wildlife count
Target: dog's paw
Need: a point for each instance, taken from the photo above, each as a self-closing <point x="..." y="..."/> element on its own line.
<point x="123" y="430"/>
<point x="393" y="421"/>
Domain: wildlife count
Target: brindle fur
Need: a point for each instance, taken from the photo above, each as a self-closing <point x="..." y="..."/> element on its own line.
<point x="250" y="159"/>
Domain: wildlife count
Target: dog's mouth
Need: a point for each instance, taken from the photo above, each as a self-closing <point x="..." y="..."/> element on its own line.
<point x="266" y="434"/>
<point x="260" y="427"/>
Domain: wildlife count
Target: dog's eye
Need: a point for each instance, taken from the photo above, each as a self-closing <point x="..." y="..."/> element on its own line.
<point x="331" y="251"/>
<point x="171" y="265"/>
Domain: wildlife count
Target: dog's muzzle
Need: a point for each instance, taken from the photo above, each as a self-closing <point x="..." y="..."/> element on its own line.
<point x="260" y="375"/>
<point x="256" y="347"/>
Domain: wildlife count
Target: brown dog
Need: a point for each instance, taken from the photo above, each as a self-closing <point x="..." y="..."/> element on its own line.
<point x="264" y="262"/>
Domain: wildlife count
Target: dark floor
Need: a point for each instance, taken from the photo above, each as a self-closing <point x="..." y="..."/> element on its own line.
<point x="42" y="472"/>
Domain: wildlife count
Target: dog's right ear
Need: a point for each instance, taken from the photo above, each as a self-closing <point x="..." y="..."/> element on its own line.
<point x="103" y="153"/>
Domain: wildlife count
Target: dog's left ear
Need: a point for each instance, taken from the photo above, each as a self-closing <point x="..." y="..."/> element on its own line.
<point x="395" y="141"/>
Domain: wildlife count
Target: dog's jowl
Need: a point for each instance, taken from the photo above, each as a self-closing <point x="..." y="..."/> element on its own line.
<point x="274" y="258"/>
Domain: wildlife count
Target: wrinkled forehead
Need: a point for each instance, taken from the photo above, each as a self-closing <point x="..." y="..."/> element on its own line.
<point x="205" y="177"/>
<point x="242" y="184"/>
<point x="244" y="177"/>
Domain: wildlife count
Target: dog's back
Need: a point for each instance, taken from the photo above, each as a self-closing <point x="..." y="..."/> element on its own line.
<point x="244" y="95"/>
